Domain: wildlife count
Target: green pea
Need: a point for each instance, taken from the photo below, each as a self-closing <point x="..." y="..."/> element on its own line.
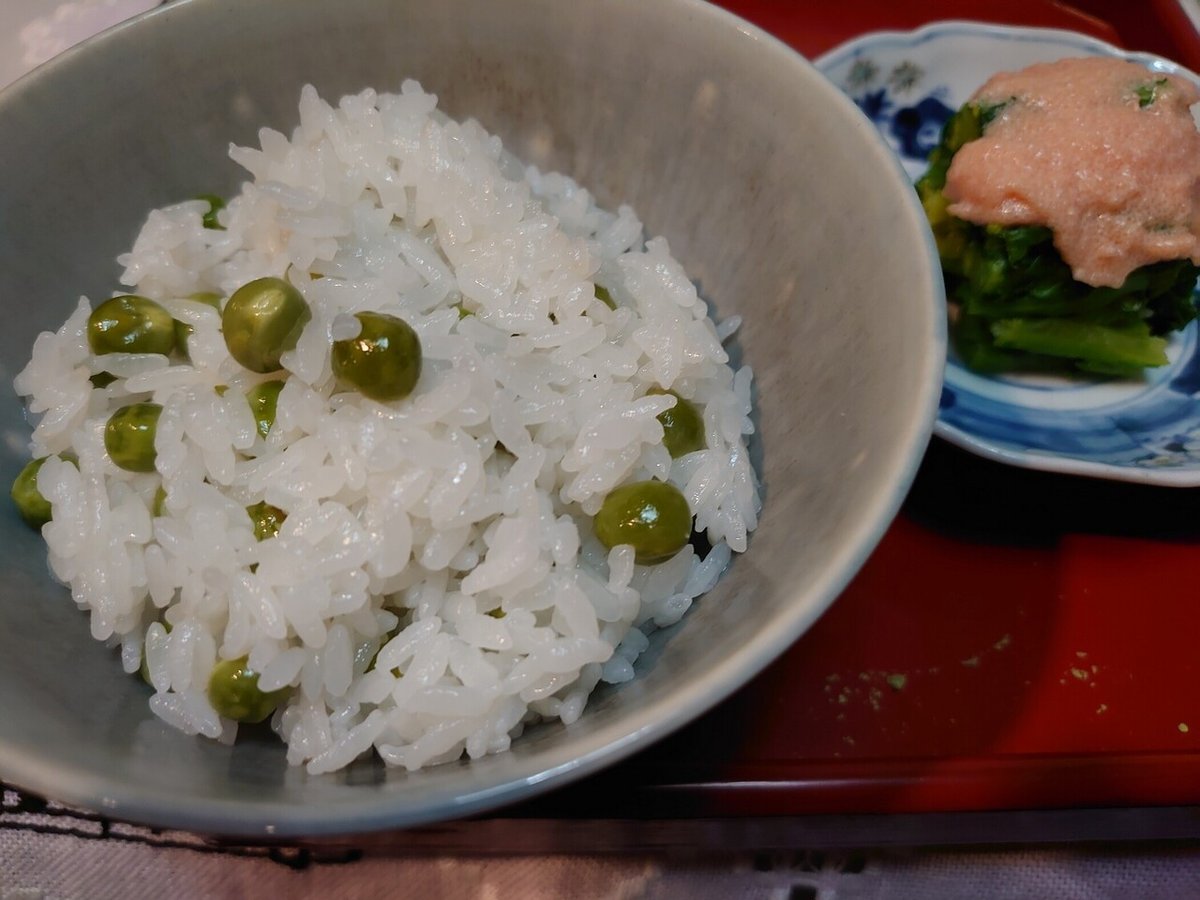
<point x="183" y="330"/>
<point x="215" y="205"/>
<point x="130" y="324"/>
<point x="159" y="505"/>
<point x="234" y="693"/>
<point x="683" y="426"/>
<point x="102" y="380"/>
<point x="129" y="436"/>
<point x="496" y="613"/>
<point x="267" y="519"/>
<point x="264" y="399"/>
<point x="603" y="295"/>
<point x="262" y="321"/>
<point x="33" y="507"/>
<point x="383" y="362"/>
<point x="651" y="516"/>
<point x="396" y="672"/>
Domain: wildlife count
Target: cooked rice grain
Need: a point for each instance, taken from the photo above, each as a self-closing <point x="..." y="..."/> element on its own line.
<point x="436" y="584"/>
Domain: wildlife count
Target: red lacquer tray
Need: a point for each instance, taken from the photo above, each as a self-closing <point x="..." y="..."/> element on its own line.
<point x="1019" y="640"/>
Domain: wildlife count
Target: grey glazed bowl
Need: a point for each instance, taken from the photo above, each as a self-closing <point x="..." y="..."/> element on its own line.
<point x="772" y="189"/>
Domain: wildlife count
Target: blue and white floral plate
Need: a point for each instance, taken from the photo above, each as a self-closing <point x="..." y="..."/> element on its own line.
<point x="1145" y="431"/>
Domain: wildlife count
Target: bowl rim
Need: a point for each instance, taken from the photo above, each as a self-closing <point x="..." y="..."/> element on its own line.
<point x="128" y="800"/>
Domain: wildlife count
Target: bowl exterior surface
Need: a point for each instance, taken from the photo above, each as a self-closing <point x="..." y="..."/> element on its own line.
<point x="772" y="189"/>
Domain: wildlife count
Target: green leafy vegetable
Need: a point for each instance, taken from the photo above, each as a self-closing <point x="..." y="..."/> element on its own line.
<point x="1020" y="309"/>
<point x="1147" y="93"/>
<point x="215" y="205"/>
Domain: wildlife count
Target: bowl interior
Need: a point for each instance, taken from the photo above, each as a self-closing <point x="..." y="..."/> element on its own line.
<point x="772" y="190"/>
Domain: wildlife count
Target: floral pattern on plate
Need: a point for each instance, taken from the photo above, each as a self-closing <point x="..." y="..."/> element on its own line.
<point x="908" y="84"/>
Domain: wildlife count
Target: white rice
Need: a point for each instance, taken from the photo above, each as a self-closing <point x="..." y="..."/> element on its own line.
<point x="407" y="522"/>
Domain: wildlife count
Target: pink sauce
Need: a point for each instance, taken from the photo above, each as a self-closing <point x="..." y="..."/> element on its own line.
<point x="1117" y="183"/>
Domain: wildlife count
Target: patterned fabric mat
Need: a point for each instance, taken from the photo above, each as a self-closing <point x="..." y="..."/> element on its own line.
<point x="52" y="852"/>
